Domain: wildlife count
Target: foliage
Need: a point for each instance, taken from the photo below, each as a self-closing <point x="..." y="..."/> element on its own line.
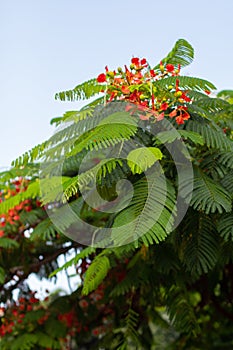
<point x="121" y="165"/>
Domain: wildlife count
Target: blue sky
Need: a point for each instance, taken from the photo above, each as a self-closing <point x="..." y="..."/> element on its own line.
<point x="52" y="45"/>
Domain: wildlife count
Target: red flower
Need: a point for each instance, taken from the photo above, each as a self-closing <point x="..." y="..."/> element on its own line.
<point x="185" y="116"/>
<point x="33" y="300"/>
<point x="164" y="106"/>
<point x="135" y="60"/>
<point x="152" y="73"/>
<point x="83" y="303"/>
<point x="101" y="78"/>
<point x="29" y="208"/>
<point x="12" y="212"/>
<point x="144" y="117"/>
<point x="170" y="68"/>
<point x="125" y="89"/>
<point x="185" y="98"/>
<point x="160" y="116"/>
<point x="173" y="113"/>
<point x="143" y="62"/>
<point x="153" y="101"/>
<point x="128" y="108"/>
<point x="180" y="119"/>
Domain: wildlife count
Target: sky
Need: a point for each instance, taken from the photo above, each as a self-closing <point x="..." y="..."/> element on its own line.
<point x="52" y="45"/>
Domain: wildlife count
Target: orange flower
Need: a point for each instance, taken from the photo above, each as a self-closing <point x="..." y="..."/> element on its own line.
<point x="173" y="113"/>
<point x="125" y="89"/>
<point x="144" y="117"/>
<point x="164" y="106"/>
<point x="185" y="116"/>
<point x="160" y="116"/>
<point x="179" y="120"/>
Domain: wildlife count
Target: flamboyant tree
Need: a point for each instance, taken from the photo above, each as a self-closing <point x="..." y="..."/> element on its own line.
<point x="135" y="190"/>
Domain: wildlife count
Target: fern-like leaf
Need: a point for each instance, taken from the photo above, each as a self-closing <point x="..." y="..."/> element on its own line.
<point x="96" y="174"/>
<point x="95" y="273"/>
<point x="180" y="311"/>
<point x="84" y="253"/>
<point x="213" y="135"/>
<point x="182" y="53"/>
<point x="227" y="183"/>
<point x="150" y="213"/>
<point x="8" y="243"/>
<point x="225" y="227"/>
<point x="207" y="196"/>
<point x="199" y="246"/>
<point x="115" y="128"/>
<point x="83" y="91"/>
<point x="185" y="83"/>
<point x="73" y="116"/>
<point x="170" y="136"/>
<point x="33" y="191"/>
<point x="142" y="158"/>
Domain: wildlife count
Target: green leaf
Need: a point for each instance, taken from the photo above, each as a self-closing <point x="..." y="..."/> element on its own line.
<point x="115" y="128"/>
<point x="170" y="136"/>
<point x="8" y="243"/>
<point x="182" y="53"/>
<point x="185" y="83"/>
<point x="225" y="227"/>
<point x="52" y="188"/>
<point x="73" y="116"/>
<point x="2" y="275"/>
<point x="199" y="244"/>
<point x="82" y="91"/>
<point x="213" y="135"/>
<point x="180" y="311"/>
<point x="226" y="95"/>
<point x="150" y="213"/>
<point x="193" y="136"/>
<point x="82" y="255"/>
<point x="140" y="159"/>
<point x="96" y="173"/>
<point x="95" y="274"/>
<point x="208" y="195"/>
<point x="32" y="191"/>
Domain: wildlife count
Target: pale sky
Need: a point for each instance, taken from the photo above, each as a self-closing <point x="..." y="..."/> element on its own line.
<point x="52" y="45"/>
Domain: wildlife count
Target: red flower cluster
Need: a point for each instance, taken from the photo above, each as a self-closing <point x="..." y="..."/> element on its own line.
<point x="136" y="85"/>
<point x="12" y="318"/>
<point x="11" y="222"/>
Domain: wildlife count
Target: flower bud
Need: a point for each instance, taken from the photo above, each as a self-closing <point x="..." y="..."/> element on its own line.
<point x="161" y="67"/>
<point x="143" y="97"/>
<point x="110" y="74"/>
<point x="178" y="93"/>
